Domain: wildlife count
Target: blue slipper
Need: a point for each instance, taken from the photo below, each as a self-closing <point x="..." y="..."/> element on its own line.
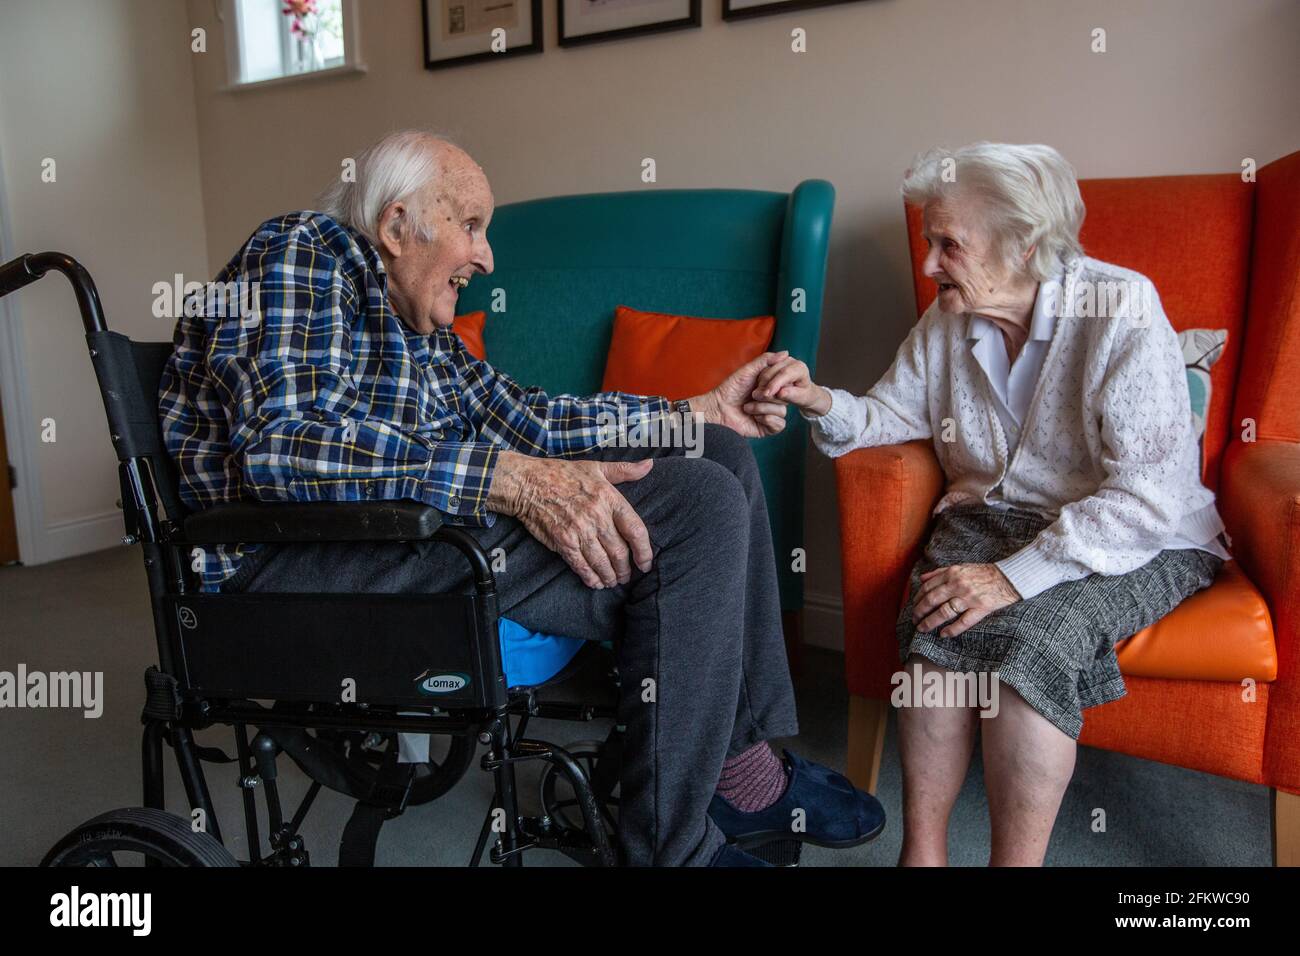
<point x="834" y="812"/>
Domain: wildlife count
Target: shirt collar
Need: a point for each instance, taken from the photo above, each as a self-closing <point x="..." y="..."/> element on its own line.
<point x="417" y="341"/>
<point x="977" y="326"/>
<point x="1046" y="308"/>
<point x="373" y="258"/>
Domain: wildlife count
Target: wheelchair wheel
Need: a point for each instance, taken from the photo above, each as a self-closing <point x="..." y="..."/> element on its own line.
<point x="361" y="754"/>
<point x="138" y="834"/>
<point x="440" y="774"/>
<point x="433" y="780"/>
<point x="558" y="799"/>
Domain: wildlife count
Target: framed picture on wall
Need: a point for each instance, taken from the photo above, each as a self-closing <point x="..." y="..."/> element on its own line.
<point x="589" y="21"/>
<point x="471" y="31"/>
<point x="742" y="9"/>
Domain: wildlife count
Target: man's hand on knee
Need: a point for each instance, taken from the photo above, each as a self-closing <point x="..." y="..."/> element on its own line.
<point x="574" y="509"/>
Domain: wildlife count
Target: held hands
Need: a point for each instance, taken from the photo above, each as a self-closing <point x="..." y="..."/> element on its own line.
<point x="574" y="509"/>
<point x="734" y="404"/>
<point x="788" y="381"/>
<point x="961" y="594"/>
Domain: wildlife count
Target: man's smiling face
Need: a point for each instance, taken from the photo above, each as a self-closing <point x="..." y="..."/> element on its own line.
<point x="425" y="277"/>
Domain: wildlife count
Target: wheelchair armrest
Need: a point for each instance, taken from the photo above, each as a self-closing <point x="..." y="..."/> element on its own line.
<point x="313" y="521"/>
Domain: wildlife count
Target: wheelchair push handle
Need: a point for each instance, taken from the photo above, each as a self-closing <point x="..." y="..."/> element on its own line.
<point x="16" y="274"/>
<point x="27" y="268"/>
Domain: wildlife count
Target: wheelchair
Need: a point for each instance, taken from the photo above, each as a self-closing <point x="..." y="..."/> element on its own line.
<point x="271" y="667"/>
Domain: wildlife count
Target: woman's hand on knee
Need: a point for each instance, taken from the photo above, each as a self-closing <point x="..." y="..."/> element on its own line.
<point x="961" y="595"/>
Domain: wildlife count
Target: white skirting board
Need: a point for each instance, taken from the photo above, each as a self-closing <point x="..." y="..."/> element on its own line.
<point x="67" y="539"/>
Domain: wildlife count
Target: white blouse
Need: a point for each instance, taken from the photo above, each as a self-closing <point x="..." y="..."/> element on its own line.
<point x="1090" y="426"/>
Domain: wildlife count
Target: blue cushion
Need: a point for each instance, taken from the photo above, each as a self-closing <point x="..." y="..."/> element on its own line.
<point x="528" y="658"/>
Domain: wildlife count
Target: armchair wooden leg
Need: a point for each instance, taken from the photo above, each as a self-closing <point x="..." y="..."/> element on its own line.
<point x="1286" y="828"/>
<point x="867" y="722"/>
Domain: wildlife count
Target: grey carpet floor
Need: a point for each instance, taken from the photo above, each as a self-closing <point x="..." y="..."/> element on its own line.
<point x="91" y="614"/>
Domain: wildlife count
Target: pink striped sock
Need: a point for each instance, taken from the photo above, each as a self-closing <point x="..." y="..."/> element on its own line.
<point x="753" y="780"/>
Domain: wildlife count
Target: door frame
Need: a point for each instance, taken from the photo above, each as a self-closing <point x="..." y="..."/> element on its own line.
<point x="19" y="435"/>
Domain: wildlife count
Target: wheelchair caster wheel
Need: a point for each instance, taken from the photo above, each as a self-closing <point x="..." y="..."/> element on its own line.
<point x="161" y="838"/>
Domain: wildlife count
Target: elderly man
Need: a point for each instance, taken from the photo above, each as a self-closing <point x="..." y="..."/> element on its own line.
<point x="351" y="385"/>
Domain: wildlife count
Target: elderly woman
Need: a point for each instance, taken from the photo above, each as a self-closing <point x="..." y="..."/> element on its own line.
<point x="1053" y="388"/>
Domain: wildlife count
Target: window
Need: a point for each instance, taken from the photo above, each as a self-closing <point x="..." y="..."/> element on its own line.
<point x="280" y="39"/>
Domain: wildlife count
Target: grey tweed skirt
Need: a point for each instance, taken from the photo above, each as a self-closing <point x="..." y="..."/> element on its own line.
<point x="1056" y="649"/>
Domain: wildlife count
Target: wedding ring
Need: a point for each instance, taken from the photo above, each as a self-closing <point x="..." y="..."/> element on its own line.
<point x="957" y="607"/>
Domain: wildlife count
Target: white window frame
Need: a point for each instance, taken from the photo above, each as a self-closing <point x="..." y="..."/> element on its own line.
<point x="352" y="63"/>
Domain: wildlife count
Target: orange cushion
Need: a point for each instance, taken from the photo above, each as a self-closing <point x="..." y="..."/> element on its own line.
<point x="678" y="356"/>
<point x="470" y="329"/>
<point x="1223" y="633"/>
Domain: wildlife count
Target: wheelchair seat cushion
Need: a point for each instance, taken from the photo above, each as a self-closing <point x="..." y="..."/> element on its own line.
<point x="529" y="658"/>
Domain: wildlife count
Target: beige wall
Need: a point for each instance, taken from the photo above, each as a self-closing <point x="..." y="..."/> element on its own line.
<point x="103" y="87"/>
<point x="1186" y="86"/>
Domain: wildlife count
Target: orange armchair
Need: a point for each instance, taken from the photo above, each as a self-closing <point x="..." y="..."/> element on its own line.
<point x="1214" y="686"/>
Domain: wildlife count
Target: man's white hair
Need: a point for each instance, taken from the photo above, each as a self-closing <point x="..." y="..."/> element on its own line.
<point x="1030" y="194"/>
<point x="395" y="169"/>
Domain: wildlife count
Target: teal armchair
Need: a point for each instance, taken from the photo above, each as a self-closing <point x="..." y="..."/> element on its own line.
<point x="564" y="263"/>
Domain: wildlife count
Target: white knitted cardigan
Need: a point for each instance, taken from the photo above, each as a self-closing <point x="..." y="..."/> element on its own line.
<point x="1107" y="449"/>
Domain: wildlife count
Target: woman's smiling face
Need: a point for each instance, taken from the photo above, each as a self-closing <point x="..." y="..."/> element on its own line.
<point x="962" y="258"/>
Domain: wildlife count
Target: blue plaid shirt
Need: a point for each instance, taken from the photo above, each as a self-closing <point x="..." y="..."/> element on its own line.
<point x="321" y="393"/>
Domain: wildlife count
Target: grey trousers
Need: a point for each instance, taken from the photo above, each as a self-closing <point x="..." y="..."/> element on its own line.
<point x="698" y="637"/>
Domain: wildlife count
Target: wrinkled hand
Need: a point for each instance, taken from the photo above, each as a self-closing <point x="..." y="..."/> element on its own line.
<point x="733" y="405"/>
<point x="961" y="594"/>
<point x="574" y="509"/>
<point x="789" y="381"/>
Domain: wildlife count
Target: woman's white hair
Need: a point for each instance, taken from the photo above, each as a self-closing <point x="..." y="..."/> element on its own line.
<point x="1030" y="194"/>
<point x="395" y="169"/>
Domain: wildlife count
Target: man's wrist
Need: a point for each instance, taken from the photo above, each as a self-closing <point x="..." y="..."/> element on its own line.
<point x="506" y="491"/>
<point x="705" y="406"/>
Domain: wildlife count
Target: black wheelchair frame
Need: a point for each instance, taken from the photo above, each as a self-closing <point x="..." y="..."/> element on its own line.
<point x="222" y="656"/>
